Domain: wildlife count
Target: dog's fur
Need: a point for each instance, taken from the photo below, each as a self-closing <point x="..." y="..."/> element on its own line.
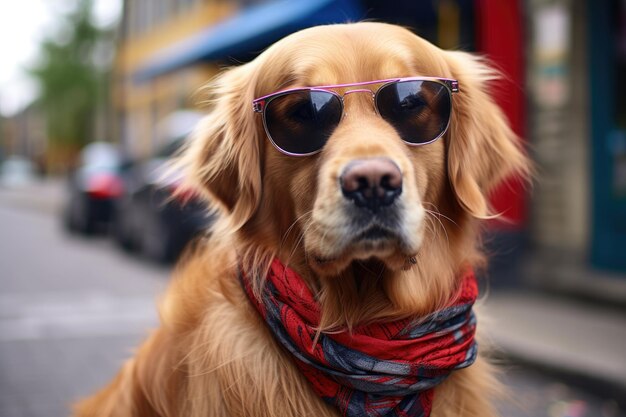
<point x="213" y="355"/>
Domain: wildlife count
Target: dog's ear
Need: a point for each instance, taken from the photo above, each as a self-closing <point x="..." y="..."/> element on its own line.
<point x="223" y="159"/>
<point x="482" y="148"/>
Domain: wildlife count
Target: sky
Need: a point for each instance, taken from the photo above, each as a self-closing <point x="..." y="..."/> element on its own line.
<point x="23" y="24"/>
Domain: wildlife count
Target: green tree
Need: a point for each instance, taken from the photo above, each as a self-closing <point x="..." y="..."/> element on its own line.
<point x="72" y="77"/>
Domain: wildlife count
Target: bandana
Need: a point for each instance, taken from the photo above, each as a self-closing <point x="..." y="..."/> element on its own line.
<point x="381" y="369"/>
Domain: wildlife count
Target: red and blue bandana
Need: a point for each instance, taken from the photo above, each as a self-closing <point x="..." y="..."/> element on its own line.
<point x="381" y="369"/>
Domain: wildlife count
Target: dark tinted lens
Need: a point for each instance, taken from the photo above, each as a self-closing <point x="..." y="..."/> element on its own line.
<point x="301" y="122"/>
<point x="418" y="110"/>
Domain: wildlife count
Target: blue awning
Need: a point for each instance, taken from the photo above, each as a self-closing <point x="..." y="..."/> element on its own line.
<point x="253" y="29"/>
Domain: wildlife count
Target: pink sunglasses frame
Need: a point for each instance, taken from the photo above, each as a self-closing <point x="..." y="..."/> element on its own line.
<point x="260" y="104"/>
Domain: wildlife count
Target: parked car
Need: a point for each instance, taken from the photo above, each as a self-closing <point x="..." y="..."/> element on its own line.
<point x="93" y="188"/>
<point x="153" y="215"/>
<point x="17" y="171"/>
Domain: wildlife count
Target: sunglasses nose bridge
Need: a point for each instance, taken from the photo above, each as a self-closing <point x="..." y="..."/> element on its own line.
<point x="356" y="90"/>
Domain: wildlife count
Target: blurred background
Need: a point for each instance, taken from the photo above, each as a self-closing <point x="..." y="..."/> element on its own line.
<point x="95" y="95"/>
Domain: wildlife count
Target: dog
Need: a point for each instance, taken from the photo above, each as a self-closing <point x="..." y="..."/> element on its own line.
<point x="353" y="161"/>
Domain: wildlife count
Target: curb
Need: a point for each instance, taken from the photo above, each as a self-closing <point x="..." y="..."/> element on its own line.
<point x="594" y="384"/>
<point x="583" y="343"/>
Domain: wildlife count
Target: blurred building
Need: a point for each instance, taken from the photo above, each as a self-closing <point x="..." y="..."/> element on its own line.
<point x="24" y="134"/>
<point x="561" y="90"/>
<point x="577" y="130"/>
<point x="151" y="29"/>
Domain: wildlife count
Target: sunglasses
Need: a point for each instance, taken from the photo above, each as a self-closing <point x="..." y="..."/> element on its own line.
<point x="299" y="121"/>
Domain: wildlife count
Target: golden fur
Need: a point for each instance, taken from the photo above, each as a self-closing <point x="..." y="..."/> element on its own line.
<point x="212" y="355"/>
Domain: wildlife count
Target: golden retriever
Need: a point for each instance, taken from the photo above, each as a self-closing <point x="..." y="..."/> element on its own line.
<point x="213" y="355"/>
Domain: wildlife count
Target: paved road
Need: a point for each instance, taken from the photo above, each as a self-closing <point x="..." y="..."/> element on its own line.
<point x="71" y="310"/>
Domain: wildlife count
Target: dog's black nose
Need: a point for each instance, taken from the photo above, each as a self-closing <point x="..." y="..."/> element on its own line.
<point x="371" y="183"/>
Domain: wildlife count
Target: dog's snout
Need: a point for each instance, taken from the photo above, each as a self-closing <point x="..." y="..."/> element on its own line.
<point x="371" y="183"/>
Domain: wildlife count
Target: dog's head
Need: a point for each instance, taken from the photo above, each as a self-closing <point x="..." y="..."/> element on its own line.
<point x="368" y="203"/>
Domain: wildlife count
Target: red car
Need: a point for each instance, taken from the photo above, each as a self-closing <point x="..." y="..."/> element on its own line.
<point x="92" y="189"/>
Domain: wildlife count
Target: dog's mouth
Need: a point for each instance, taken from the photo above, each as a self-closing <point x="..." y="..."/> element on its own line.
<point x="338" y="237"/>
<point x="373" y="243"/>
<point x="376" y="233"/>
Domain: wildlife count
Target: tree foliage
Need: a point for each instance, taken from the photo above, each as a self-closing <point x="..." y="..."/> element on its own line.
<point x="72" y="82"/>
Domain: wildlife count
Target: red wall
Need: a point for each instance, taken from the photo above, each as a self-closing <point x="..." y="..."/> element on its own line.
<point x="500" y="37"/>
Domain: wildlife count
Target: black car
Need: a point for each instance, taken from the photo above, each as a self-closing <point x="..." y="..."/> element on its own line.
<point x="93" y="188"/>
<point x="153" y="215"/>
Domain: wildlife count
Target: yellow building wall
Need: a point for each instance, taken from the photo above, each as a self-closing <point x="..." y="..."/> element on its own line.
<point x="145" y="103"/>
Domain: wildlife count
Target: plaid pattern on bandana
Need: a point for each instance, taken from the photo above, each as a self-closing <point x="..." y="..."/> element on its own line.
<point x="382" y="369"/>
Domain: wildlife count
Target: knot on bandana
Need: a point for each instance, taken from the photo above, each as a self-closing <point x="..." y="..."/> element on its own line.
<point x="379" y="369"/>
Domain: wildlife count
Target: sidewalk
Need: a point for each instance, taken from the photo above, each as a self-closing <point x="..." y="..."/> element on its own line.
<point x="42" y="195"/>
<point x="568" y="336"/>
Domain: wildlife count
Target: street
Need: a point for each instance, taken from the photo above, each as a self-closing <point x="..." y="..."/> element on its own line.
<point x="72" y="309"/>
